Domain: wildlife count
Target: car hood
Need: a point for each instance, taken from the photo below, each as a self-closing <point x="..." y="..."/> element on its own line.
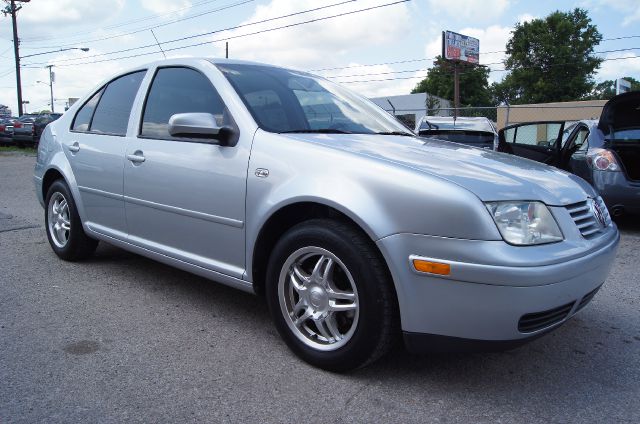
<point x="488" y="174"/>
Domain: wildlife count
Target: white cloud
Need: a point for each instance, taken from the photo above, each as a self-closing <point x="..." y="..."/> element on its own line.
<point x="475" y="10"/>
<point x="165" y="6"/>
<point x="616" y="67"/>
<point x="628" y="10"/>
<point x="375" y="79"/>
<point x="68" y="11"/>
<point x="525" y="17"/>
<point x="318" y="44"/>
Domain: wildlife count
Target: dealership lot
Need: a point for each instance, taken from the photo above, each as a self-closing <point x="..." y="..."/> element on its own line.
<point x="120" y="337"/>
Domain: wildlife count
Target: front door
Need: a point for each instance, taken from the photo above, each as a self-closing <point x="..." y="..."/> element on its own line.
<point x="539" y="141"/>
<point x="185" y="198"/>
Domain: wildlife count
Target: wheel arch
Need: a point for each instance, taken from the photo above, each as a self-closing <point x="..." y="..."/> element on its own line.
<point x="284" y="218"/>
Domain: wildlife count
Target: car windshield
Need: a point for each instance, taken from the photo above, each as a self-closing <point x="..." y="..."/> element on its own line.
<point x="458" y="125"/>
<point x="282" y="100"/>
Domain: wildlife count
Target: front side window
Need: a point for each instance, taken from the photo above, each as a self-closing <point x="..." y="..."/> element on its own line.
<point x="282" y="100"/>
<point x="180" y="90"/>
<point x="113" y="110"/>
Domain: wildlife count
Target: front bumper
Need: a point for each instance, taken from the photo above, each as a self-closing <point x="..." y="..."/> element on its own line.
<point x="480" y="302"/>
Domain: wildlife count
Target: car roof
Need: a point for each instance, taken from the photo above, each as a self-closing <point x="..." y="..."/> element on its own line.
<point x="451" y="118"/>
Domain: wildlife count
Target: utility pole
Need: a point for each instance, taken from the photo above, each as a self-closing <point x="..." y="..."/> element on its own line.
<point x="227" y="51"/>
<point x="13" y="10"/>
<point x="51" y="79"/>
<point x="456" y="89"/>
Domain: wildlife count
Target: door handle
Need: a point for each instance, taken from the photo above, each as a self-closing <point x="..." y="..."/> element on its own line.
<point x="136" y="157"/>
<point x="74" y="148"/>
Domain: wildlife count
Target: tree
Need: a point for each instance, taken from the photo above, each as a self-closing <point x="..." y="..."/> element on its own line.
<point x="550" y="59"/>
<point x="474" y="83"/>
<point x="607" y="89"/>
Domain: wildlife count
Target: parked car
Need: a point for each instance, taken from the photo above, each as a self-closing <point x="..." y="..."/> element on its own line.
<point x="28" y="128"/>
<point x="6" y="131"/>
<point x="474" y="131"/>
<point x="288" y="185"/>
<point x="605" y="152"/>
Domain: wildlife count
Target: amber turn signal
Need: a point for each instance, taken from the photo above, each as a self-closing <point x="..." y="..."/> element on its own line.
<point x="431" y="267"/>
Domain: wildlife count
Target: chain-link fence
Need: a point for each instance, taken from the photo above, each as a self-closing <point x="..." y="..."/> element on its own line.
<point x="507" y="115"/>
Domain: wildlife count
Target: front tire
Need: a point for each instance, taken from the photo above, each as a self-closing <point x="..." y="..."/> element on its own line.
<point x="64" y="228"/>
<point x="331" y="296"/>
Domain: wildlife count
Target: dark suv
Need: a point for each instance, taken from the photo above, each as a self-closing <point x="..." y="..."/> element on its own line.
<point x="28" y="128"/>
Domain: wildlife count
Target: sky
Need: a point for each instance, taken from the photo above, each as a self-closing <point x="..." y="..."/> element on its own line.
<point x="375" y="48"/>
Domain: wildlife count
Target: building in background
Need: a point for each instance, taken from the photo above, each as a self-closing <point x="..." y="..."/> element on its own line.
<point x="560" y="111"/>
<point x="410" y="108"/>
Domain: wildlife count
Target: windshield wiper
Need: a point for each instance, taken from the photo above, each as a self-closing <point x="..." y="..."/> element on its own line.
<point x="318" y="131"/>
<point x="395" y="133"/>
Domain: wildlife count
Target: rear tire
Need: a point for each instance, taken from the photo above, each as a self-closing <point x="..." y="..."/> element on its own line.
<point x="64" y="228"/>
<point x="331" y="296"/>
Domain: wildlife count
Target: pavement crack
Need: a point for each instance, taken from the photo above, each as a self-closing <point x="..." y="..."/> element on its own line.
<point x="24" y="227"/>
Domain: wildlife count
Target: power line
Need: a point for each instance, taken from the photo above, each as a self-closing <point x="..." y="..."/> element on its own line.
<point x="484" y="64"/>
<point x="204" y="34"/>
<point x="133" y="21"/>
<point x="235" y="36"/>
<point x="491" y="70"/>
<point x="220" y="9"/>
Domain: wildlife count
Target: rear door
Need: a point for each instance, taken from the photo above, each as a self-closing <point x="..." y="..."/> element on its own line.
<point x="539" y="141"/>
<point x="95" y="148"/>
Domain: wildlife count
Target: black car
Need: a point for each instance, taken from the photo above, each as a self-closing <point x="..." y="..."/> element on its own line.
<point x="6" y="131"/>
<point x="28" y="128"/>
<point x="605" y="152"/>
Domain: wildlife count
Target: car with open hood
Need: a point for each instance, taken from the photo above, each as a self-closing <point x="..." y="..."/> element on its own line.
<point x="356" y="231"/>
<point x="604" y="152"/>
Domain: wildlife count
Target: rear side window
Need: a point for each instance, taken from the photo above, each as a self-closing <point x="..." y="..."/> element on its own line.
<point x="83" y="117"/>
<point x="180" y="90"/>
<point x="112" y="113"/>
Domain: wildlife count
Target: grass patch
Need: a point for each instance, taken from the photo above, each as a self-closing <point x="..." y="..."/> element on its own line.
<point x="25" y="150"/>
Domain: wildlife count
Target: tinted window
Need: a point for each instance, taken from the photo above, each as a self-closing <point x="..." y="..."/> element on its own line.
<point x="83" y="117"/>
<point x="282" y="100"/>
<point x="544" y="134"/>
<point x="180" y="90"/>
<point x="114" y="107"/>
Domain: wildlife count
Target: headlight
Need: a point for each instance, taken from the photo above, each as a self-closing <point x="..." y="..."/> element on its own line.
<point x="525" y="223"/>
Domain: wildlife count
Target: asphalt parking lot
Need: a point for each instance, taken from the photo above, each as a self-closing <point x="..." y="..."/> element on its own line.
<point x="121" y="338"/>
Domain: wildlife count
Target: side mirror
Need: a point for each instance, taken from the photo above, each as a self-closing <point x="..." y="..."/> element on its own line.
<point x="200" y="125"/>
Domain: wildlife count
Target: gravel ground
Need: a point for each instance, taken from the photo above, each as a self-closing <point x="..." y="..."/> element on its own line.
<point x="121" y="338"/>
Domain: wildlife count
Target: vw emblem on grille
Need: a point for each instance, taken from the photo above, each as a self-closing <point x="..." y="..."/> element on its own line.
<point x="599" y="213"/>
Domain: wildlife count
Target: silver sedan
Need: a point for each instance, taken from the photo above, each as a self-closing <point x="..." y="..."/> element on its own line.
<point x="355" y="231"/>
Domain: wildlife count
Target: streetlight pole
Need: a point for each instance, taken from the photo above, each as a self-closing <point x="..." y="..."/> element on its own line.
<point x="84" y="49"/>
<point x="51" y="79"/>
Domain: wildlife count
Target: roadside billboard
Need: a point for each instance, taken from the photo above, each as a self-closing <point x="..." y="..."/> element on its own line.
<point x="461" y="48"/>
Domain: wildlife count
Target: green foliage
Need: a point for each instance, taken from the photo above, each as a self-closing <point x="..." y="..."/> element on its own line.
<point x="550" y="59"/>
<point x="607" y="89"/>
<point x="474" y="83"/>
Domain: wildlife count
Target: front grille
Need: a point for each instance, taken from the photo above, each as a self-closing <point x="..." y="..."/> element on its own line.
<point x="587" y="298"/>
<point x="585" y="220"/>
<point x="539" y="320"/>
